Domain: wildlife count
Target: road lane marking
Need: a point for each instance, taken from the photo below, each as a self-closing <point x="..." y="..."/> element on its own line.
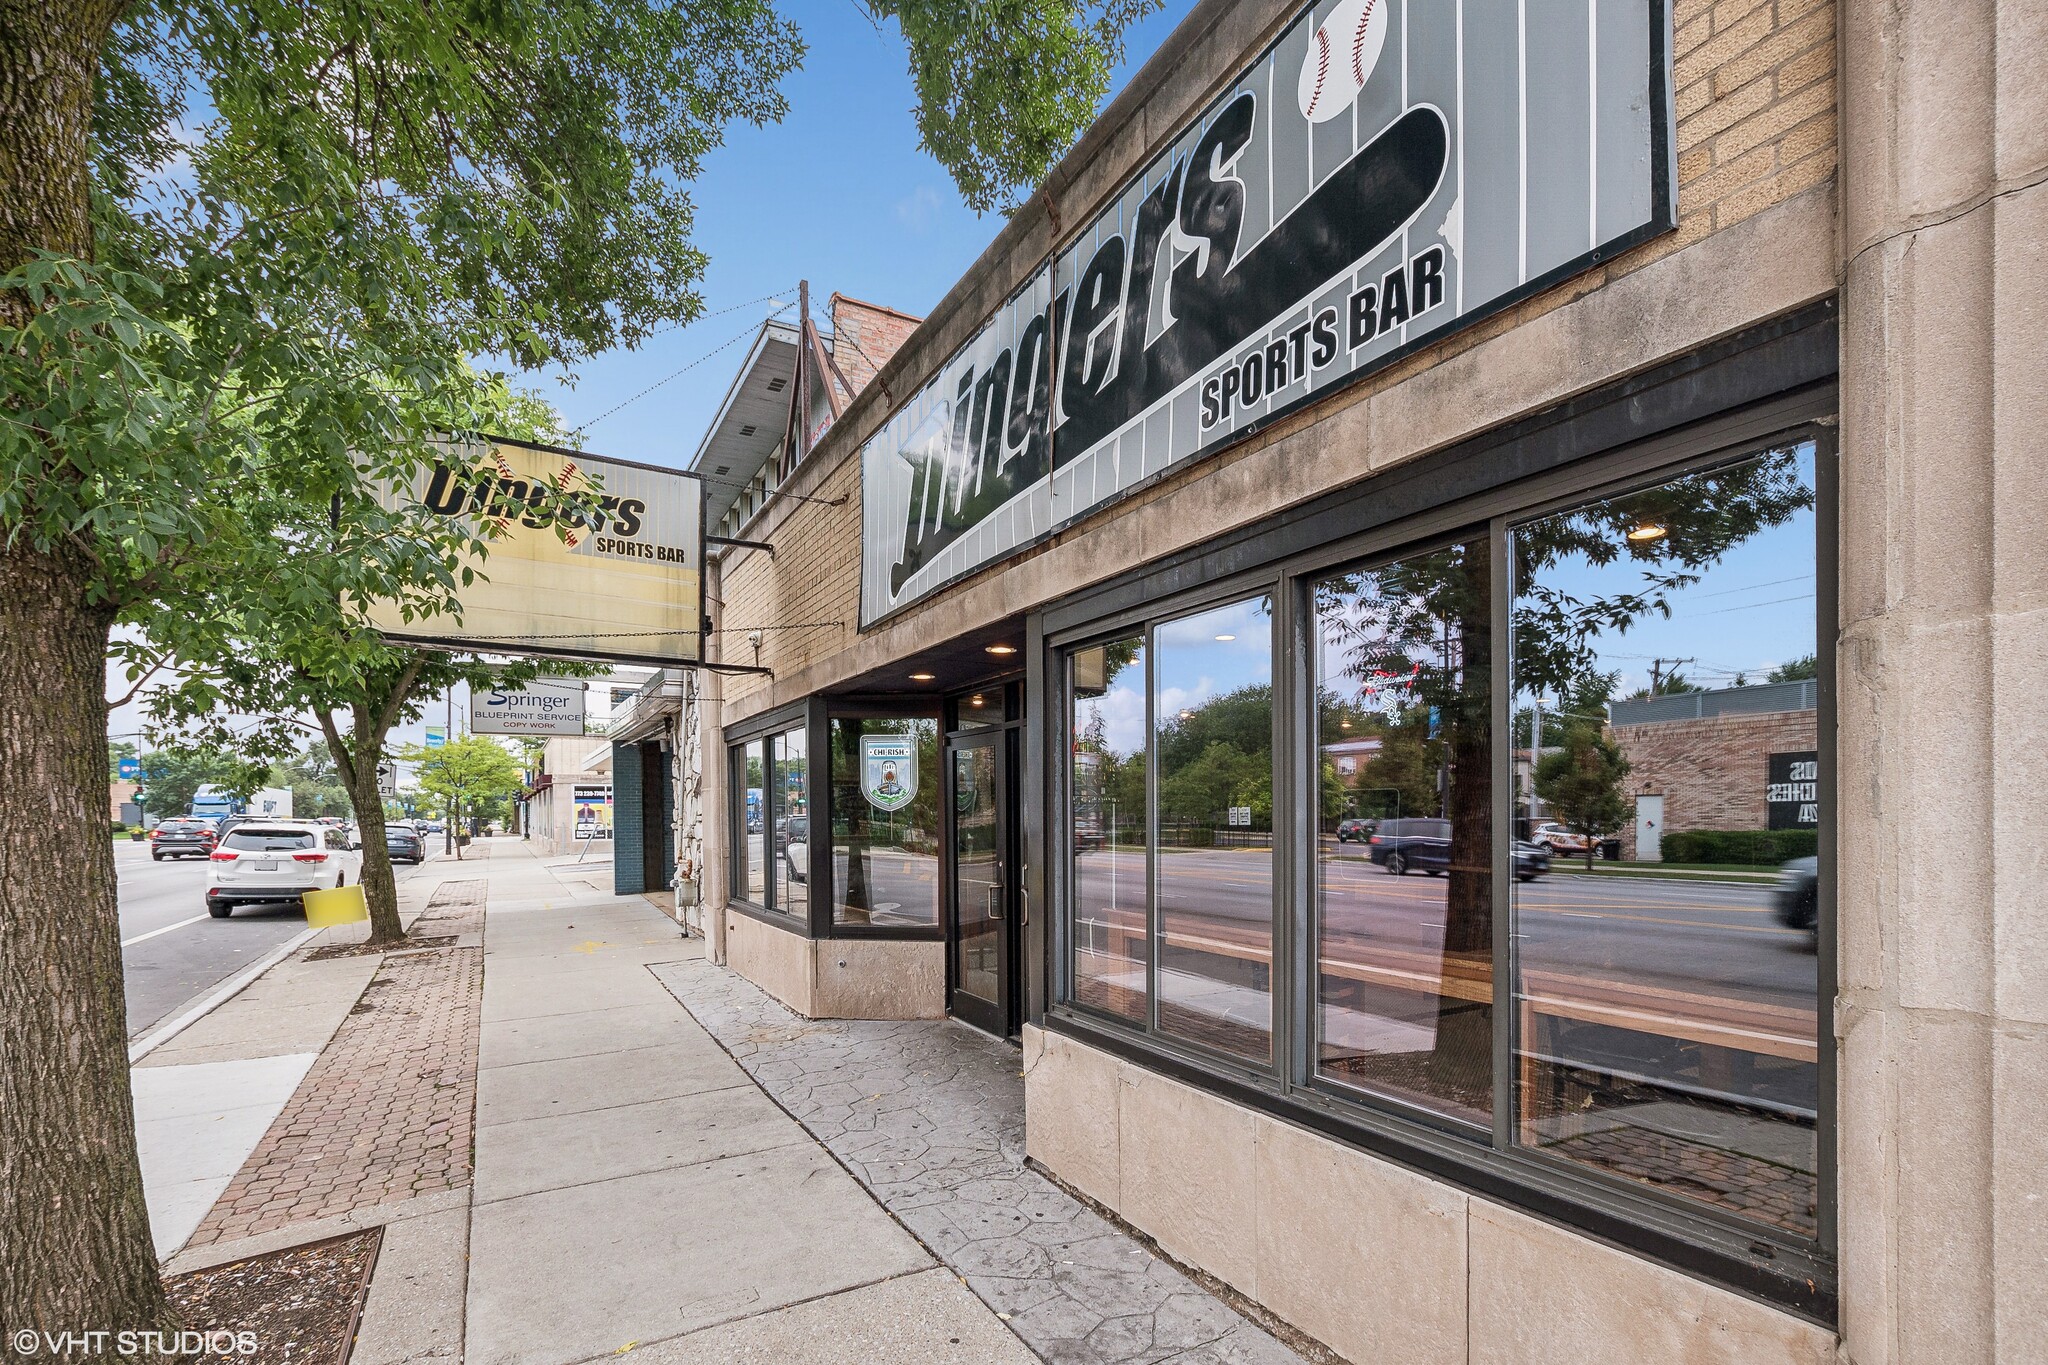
<point x="131" y="942"/>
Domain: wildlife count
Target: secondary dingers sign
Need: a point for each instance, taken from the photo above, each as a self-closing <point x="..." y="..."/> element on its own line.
<point x="626" y="583"/>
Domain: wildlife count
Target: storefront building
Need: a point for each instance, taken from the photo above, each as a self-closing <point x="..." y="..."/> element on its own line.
<point x="1377" y="394"/>
<point x="569" y="806"/>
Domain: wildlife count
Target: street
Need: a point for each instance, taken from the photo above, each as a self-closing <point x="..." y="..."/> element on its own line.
<point x="172" y="951"/>
<point x="1688" y="935"/>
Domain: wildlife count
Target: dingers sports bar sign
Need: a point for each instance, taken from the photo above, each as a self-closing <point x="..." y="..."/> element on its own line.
<point x="1386" y="172"/>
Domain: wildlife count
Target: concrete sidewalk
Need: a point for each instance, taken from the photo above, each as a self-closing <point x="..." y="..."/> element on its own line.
<point x="635" y="1188"/>
<point x="630" y="1188"/>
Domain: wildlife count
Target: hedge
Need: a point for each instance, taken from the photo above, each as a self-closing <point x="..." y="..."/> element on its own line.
<point x="1756" y="847"/>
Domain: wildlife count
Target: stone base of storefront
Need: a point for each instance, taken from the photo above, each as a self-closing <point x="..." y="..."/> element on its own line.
<point x="1372" y="1259"/>
<point x="840" y="978"/>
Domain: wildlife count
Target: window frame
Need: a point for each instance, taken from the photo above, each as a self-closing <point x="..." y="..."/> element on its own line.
<point x="1475" y="491"/>
<point x="763" y="729"/>
<point x="814" y="716"/>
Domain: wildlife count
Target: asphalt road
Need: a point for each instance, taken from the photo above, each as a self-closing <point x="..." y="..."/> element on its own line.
<point x="172" y="951"/>
<point x="1708" y="937"/>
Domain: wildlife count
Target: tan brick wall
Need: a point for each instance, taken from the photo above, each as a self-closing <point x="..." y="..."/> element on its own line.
<point x="1755" y="93"/>
<point x="1710" y="772"/>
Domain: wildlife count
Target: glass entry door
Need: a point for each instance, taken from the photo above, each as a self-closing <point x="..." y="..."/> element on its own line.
<point x="980" y="932"/>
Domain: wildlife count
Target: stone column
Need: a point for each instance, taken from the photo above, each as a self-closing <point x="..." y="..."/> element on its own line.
<point x="1943" y="682"/>
<point x="716" y="876"/>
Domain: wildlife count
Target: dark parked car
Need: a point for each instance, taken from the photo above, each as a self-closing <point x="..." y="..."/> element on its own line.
<point x="404" y="845"/>
<point x="1355" y="831"/>
<point x="1797" y="898"/>
<point x="792" y="829"/>
<point x="1424" y="845"/>
<point x="182" y="839"/>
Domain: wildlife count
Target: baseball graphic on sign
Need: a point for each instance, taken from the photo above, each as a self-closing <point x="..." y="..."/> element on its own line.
<point x="1341" y="54"/>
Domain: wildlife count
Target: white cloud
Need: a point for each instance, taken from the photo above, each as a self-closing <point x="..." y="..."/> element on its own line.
<point x="920" y="209"/>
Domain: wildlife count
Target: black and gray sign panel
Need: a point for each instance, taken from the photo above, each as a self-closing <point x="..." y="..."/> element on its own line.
<point x="1387" y="171"/>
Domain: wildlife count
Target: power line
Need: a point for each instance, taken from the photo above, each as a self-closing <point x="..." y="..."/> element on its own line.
<point x="705" y="317"/>
<point x="727" y="344"/>
<point x="1752" y="606"/>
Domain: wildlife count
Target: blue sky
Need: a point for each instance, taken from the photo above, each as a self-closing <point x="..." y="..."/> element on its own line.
<point x="838" y="192"/>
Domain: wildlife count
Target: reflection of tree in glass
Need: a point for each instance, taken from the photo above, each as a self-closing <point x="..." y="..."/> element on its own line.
<point x="1218" y="754"/>
<point x="1429" y="610"/>
<point x="1581" y="783"/>
<point x="1109" y="787"/>
<point x="1701" y="518"/>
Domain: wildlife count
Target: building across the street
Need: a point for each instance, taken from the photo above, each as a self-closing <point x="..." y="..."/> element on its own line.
<point x="1733" y="760"/>
<point x="1370" y="382"/>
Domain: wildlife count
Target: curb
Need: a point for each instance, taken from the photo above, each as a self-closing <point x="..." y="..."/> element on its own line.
<point x="226" y="991"/>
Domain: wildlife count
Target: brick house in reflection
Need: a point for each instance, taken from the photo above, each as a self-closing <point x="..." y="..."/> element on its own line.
<point x="1702" y="760"/>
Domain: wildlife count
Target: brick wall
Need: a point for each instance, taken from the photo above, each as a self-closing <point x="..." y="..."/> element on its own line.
<point x="1755" y="96"/>
<point x="865" y="335"/>
<point x="1711" y="773"/>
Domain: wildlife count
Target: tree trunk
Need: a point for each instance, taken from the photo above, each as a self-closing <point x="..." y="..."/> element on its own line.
<point x="1469" y="720"/>
<point x="75" y="1248"/>
<point x="77" y="1252"/>
<point x="1463" y="1056"/>
<point x="380" y="886"/>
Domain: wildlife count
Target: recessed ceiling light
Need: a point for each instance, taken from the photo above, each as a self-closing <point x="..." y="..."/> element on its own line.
<point x="1225" y="639"/>
<point x="922" y="677"/>
<point x="1648" y="531"/>
<point x="1002" y="649"/>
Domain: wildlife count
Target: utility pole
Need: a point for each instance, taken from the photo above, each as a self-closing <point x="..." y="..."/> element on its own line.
<point x="1657" y="673"/>
<point x="448" y="737"/>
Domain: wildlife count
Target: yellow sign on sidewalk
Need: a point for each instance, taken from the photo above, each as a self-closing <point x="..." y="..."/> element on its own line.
<point x="342" y="905"/>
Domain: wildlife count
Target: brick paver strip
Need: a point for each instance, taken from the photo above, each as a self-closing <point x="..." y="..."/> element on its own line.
<point x="388" y="1111"/>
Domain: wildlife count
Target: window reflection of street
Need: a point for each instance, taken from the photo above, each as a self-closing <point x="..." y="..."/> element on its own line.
<point x="1212" y="710"/>
<point x="1106" y="827"/>
<point x="1667" y="1026"/>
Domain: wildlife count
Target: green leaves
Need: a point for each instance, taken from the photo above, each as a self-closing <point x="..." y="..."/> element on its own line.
<point x="1004" y="87"/>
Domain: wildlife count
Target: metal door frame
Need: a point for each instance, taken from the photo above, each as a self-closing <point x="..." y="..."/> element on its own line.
<point x="1004" y="1018"/>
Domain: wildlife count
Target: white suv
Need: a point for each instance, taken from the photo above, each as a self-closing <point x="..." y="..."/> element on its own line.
<point x="276" y="860"/>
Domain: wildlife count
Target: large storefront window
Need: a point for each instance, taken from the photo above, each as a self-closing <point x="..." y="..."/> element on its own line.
<point x="1582" y="944"/>
<point x="1404" y="839"/>
<point x="1106" y="826"/>
<point x="1664" y="658"/>
<point x="885" y="822"/>
<point x="1212" y="723"/>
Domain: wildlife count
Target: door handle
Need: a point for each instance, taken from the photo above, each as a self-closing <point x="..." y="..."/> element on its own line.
<point x="992" y="903"/>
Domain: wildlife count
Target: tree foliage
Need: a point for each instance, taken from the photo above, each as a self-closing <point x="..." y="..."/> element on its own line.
<point x="1581" y="783"/>
<point x="465" y="775"/>
<point x="1004" y="85"/>
<point x="316" y="785"/>
<point x="173" y="774"/>
<point x="1801" y="669"/>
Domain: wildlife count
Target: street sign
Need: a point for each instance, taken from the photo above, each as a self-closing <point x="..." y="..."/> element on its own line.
<point x="387" y="779"/>
<point x="437" y="735"/>
<point x="130" y="769"/>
